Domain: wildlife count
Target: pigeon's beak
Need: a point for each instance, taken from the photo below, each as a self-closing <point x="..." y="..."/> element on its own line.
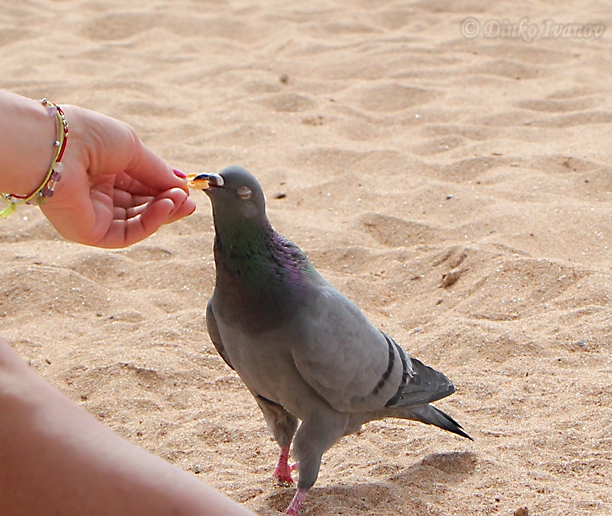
<point x="205" y="181"/>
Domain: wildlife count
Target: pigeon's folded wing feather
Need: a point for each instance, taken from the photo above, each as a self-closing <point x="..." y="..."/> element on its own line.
<point x="213" y="332"/>
<point x="342" y="356"/>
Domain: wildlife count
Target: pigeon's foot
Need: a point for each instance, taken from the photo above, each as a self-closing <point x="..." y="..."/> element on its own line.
<point x="296" y="503"/>
<point x="282" y="473"/>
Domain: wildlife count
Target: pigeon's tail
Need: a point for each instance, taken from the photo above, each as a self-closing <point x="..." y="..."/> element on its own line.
<point x="430" y="415"/>
<point x="424" y="385"/>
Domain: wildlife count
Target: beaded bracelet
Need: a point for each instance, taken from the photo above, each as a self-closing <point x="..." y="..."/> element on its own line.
<point x="45" y="190"/>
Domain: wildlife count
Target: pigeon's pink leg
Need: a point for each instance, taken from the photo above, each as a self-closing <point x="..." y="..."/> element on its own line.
<point x="282" y="473"/>
<point x="296" y="503"/>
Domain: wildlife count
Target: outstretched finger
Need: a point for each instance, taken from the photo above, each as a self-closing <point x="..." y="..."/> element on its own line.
<point x="150" y="174"/>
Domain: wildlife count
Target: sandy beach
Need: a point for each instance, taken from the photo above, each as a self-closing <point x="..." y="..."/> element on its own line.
<point x="451" y="177"/>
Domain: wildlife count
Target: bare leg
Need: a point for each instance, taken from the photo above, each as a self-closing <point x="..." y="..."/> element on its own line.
<point x="282" y="473"/>
<point x="55" y="458"/>
<point x="316" y="435"/>
<point x="296" y="503"/>
<point x="283" y="426"/>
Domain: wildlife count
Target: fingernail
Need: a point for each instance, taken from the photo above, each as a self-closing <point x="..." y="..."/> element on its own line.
<point x="180" y="174"/>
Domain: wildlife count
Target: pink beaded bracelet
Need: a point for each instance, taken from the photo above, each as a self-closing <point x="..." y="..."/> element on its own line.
<point x="45" y="190"/>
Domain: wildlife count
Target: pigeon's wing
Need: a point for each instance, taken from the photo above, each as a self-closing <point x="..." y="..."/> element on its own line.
<point x="343" y="357"/>
<point x="213" y="332"/>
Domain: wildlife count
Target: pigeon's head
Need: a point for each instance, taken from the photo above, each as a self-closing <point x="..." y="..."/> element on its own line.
<point x="233" y="191"/>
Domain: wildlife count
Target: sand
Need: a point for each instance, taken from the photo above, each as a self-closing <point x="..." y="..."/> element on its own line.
<point x="457" y="190"/>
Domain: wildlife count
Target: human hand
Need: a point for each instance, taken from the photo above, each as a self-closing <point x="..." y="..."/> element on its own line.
<point x="114" y="190"/>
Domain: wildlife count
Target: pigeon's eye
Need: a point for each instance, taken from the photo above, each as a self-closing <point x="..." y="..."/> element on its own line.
<point x="244" y="192"/>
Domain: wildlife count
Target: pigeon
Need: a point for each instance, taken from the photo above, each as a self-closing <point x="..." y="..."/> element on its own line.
<point x="304" y="350"/>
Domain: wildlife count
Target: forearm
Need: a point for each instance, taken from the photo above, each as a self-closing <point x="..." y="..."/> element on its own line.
<point x="27" y="134"/>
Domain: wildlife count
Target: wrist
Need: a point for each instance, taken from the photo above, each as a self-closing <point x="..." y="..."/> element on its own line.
<point x="26" y="144"/>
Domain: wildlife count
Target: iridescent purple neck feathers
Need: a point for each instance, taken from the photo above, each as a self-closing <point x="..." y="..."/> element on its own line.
<point x="261" y="275"/>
